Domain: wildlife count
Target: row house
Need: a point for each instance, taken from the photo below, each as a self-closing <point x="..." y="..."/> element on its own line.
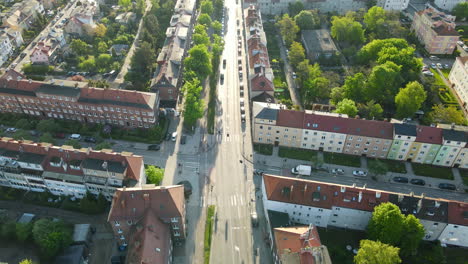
<point x="330" y="132"/>
<point x="146" y="219"/>
<point x="81" y="20"/>
<point x="60" y="99"/>
<point x="167" y="77"/>
<point x="435" y="30"/>
<point x="326" y="204"/>
<point x="458" y="78"/>
<point x="66" y="171"/>
<point x="275" y="7"/>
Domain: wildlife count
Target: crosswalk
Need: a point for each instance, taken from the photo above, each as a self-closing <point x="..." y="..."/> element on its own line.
<point x="234" y="200"/>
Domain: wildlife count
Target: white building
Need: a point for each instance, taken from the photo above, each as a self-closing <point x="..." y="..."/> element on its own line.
<point x="447" y="4"/>
<point x="393" y="5"/>
<point x="459" y="79"/>
<point x="6" y="49"/>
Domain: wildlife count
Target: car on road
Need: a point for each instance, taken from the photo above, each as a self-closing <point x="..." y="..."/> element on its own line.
<point x="460" y="43"/>
<point x="241" y="101"/>
<point x="439" y="65"/>
<point x="433" y="65"/>
<point x="446" y="66"/>
<point x="187" y="188"/>
<point x="434" y="58"/>
<point x="168" y="136"/>
<point x="239" y="61"/>
<point x="90" y="139"/>
<point x="465" y="48"/>
<point x="224" y="64"/>
<point x="174" y="136"/>
<point x="183" y="139"/>
<point x="428" y="73"/>
<point x="240" y="75"/>
<point x="242" y="109"/>
<point x="338" y="171"/>
<point x="154" y="147"/>
<point x="254" y="218"/>
<point x="75" y="137"/>
<point x="241" y="87"/>
<point x="447" y="186"/>
<point x="359" y="173"/>
<point x="400" y="179"/>
<point x="294" y="75"/>
<point x="35" y="133"/>
<point x="23" y="55"/>
<point x="11" y="130"/>
<point x="242" y="93"/>
<point x="418" y="182"/>
<point x="221" y="78"/>
<point x="243" y="118"/>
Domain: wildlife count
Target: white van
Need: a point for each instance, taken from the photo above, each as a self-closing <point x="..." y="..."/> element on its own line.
<point x="174" y="136"/>
<point x="75" y="136"/>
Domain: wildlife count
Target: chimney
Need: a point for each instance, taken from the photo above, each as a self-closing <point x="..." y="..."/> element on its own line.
<point x="360" y="197"/>
<point x="343" y="189"/>
<point x="29" y="81"/>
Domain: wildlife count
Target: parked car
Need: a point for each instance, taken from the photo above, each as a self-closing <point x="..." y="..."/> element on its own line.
<point x="359" y="173"/>
<point x="35" y="133"/>
<point x="446" y="66"/>
<point x="337" y="171"/>
<point x="434" y="58"/>
<point x="221" y="78"/>
<point x="243" y="118"/>
<point x="400" y="179"/>
<point x="439" y="65"/>
<point x="418" y="182"/>
<point x="447" y="186"/>
<point x="75" y="137"/>
<point x="23" y="54"/>
<point x="174" y="136"/>
<point x="428" y="73"/>
<point x="433" y="65"/>
<point x="154" y="147"/>
<point x="460" y="43"/>
<point x="242" y="109"/>
<point x="224" y="64"/>
<point x="242" y="93"/>
<point x="11" y="130"/>
<point x="187" y="188"/>
<point x="294" y="75"/>
<point x="254" y="218"/>
<point x="90" y="139"/>
<point x="183" y="139"/>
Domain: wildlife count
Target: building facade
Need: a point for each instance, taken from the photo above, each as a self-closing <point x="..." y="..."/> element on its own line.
<point x="6" y="49"/>
<point x="447" y="4"/>
<point x="326" y="204"/>
<point x="453" y="142"/>
<point x="40" y="167"/>
<point x="435" y="30"/>
<point x="275" y="7"/>
<point x="458" y="78"/>
<point x="71" y="100"/>
<point x="426" y="145"/>
<point x="403" y="137"/>
<point x="393" y="5"/>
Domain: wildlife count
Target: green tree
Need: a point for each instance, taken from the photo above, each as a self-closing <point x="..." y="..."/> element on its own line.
<point x="217" y="27"/>
<point x="200" y="37"/>
<point x="217" y="46"/>
<point x="27" y="261"/>
<point x="154" y="175"/>
<point x="74" y="143"/>
<point x="448" y="115"/>
<point x="371" y="110"/>
<point x="47" y="137"/>
<point x="296" y="53"/>
<point x="103" y="145"/>
<point x="374" y="18"/>
<point x="199" y="61"/>
<point x="348" y="107"/>
<point x="102" y="47"/>
<point x="307" y="19"/>
<point x="140" y="7"/>
<point x="410" y="99"/>
<point x="383" y="83"/>
<point x="79" y="47"/>
<point x="461" y="11"/>
<point x="51" y="236"/>
<point x="88" y="64"/>
<point x="346" y="30"/>
<point x="23" y="231"/>
<point x="23" y="124"/>
<point x="90" y="205"/>
<point x="336" y="95"/>
<point x="377" y="167"/>
<point x="295" y="8"/>
<point x="373" y="252"/>
<point x="206" y="7"/>
<point x="125" y="3"/>
<point x="22" y="135"/>
<point x="354" y="87"/>
<point x="288" y="29"/>
<point x="205" y="20"/>
<point x="47" y="125"/>
<point x="100" y="30"/>
<point x="386" y="224"/>
<point x="194" y="106"/>
<point x="103" y="61"/>
<point x="413" y="233"/>
<point x="8" y="230"/>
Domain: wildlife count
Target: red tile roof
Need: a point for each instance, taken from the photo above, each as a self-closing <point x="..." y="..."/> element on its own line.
<point x="458" y="213"/>
<point x="119" y="95"/>
<point x="261" y="83"/>
<point x="432" y="135"/>
<point x="296" y="240"/>
<point x="259" y="59"/>
<point x="290" y="118"/>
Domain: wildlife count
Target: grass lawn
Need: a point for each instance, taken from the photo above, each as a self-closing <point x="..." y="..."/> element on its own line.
<point x="437" y="79"/>
<point x="446" y="73"/>
<point x="294" y="153"/>
<point x="263" y="149"/>
<point x="337" y="239"/>
<point x="342" y="159"/>
<point x="393" y="165"/>
<point x="464" y="175"/>
<point x="208" y="232"/>
<point x="432" y="171"/>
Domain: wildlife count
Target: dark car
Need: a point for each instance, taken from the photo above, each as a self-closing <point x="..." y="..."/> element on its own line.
<point x="187" y="188"/>
<point x="155" y="147"/>
<point x="447" y="186"/>
<point x="418" y="182"/>
<point x="90" y="139"/>
<point x="183" y="139"/>
<point x="400" y="179"/>
<point x="224" y="64"/>
<point x="23" y="55"/>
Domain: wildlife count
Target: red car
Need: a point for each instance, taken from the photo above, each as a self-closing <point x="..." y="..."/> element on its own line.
<point x="59" y="135"/>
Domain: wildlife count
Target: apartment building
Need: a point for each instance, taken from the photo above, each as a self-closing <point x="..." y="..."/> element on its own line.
<point x="275" y="7"/>
<point x="70" y="100"/>
<point x="22" y="15"/>
<point x="447" y="4"/>
<point x="426" y="145"/>
<point x="40" y="167"/>
<point x="166" y="79"/>
<point x="327" y="204"/>
<point x="6" y="49"/>
<point x="321" y="132"/>
<point x="458" y="77"/>
<point x="146" y="219"/>
<point x="453" y="142"/>
<point x="435" y="30"/>
<point x="403" y="137"/>
<point x="393" y="5"/>
<point x="461" y="161"/>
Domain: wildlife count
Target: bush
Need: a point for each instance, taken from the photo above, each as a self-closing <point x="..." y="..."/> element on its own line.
<point x="31" y="69"/>
<point x="263" y="149"/>
<point x="92" y="205"/>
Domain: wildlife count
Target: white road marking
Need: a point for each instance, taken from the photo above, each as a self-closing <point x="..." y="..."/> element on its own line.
<point x="235" y="201"/>
<point x="202" y="201"/>
<point x="241" y="201"/>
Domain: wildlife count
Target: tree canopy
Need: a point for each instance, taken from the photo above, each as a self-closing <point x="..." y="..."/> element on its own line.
<point x="296" y="53"/>
<point x="348" y="107"/>
<point x="295" y="8"/>
<point x="461" y="11"/>
<point x="446" y="114"/>
<point x="346" y="30"/>
<point x="206" y="7"/>
<point x="199" y="61"/>
<point x="373" y="252"/>
<point x="154" y="175"/>
<point x="205" y="20"/>
<point x="383" y="83"/>
<point x="51" y="236"/>
<point x="288" y="29"/>
<point x="307" y="19"/>
<point x="409" y="99"/>
<point x="79" y="47"/>
<point x="194" y="105"/>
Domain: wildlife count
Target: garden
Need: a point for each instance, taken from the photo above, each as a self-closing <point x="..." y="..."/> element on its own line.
<point x="342" y="159"/>
<point x="432" y="171"/>
<point x="299" y="154"/>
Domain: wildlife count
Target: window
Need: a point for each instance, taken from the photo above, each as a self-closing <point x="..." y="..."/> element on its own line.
<point x="116" y="223"/>
<point x="129" y="222"/>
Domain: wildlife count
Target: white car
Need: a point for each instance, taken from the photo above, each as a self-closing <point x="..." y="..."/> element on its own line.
<point x="75" y="136"/>
<point x="243" y="118"/>
<point x="337" y="171"/>
<point x="439" y="65"/>
<point x="428" y="73"/>
<point x="174" y="136"/>
<point x="460" y="43"/>
<point x="360" y="173"/>
<point x="11" y="130"/>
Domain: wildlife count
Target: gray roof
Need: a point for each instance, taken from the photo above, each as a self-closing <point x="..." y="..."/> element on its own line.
<point x="97" y="164"/>
<point x="18" y="92"/>
<point x="405" y="129"/>
<point x="104" y="101"/>
<point x="58" y="90"/>
<point x="421" y="208"/>
<point x="454" y="135"/>
<point x="278" y="219"/>
<point x="31" y="158"/>
<point x="71" y="255"/>
<point x="268" y="113"/>
<point x="318" y="41"/>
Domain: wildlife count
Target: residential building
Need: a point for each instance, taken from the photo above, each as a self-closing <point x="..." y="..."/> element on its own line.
<point x="43" y="53"/>
<point x="80" y="25"/>
<point x="435" y="30"/>
<point x="453" y="141"/>
<point x="447" y="4"/>
<point x="118" y="49"/>
<point x="70" y="100"/>
<point x="318" y="43"/>
<point x="125" y="18"/>
<point x="300" y="245"/>
<point x="264" y="123"/>
<point x="22" y="15"/>
<point x="393" y="5"/>
<point x="426" y="145"/>
<point x="275" y="7"/>
<point x="461" y="160"/>
<point x="166" y="79"/>
<point x="147" y="219"/>
<point x="458" y="78"/>
<point x="261" y="87"/>
<point x="320" y="132"/>
<point x="15" y="36"/>
<point x="40" y="167"/>
<point x="6" y="49"/>
<point x="328" y="204"/>
<point x="403" y="137"/>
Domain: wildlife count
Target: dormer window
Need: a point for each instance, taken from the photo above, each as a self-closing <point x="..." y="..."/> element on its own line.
<point x="55" y="161"/>
<point x="75" y="164"/>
